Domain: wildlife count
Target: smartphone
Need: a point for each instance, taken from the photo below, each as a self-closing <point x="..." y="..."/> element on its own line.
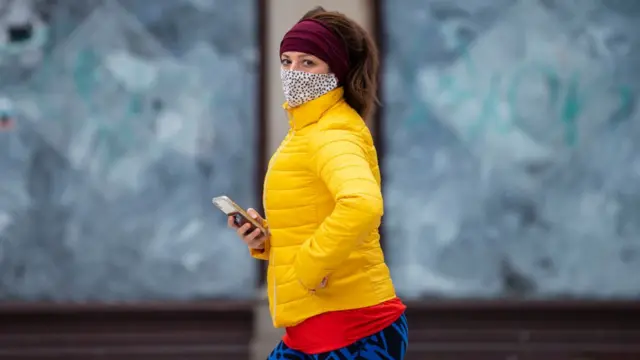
<point x="240" y="217"/>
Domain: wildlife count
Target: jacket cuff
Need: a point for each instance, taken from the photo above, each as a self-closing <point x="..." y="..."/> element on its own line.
<point x="262" y="254"/>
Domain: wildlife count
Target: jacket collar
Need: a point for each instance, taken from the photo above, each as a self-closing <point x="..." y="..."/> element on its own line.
<point x="311" y="111"/>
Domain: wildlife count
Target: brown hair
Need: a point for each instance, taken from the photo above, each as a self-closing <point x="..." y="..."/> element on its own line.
<point x="361" y="84"/>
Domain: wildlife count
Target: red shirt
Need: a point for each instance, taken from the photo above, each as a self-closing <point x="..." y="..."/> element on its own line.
<point x="338" y="329"/>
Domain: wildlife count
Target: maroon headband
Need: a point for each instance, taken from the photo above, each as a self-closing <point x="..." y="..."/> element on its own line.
<point x="312" y="37"/>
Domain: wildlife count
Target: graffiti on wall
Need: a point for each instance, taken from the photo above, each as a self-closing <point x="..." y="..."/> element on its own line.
<point x="567" y="99"/>
<point x="497" y="96"/>
<point x="120" y="131"/>
<point x="510" y="159"/>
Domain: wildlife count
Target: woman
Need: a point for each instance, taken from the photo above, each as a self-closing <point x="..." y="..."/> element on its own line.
<point x="327" y="281"/>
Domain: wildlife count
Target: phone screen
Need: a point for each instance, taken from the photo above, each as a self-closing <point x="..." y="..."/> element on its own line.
<point x="230" y="208"/>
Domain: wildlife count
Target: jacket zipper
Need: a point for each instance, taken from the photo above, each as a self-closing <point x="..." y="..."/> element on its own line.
<point x="275" y="284"/>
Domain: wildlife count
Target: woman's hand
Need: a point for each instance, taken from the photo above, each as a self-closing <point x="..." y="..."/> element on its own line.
<point x="254" y="239"/>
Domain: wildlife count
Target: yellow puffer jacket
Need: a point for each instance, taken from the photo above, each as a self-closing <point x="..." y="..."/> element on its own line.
<point x="323" y="204"/>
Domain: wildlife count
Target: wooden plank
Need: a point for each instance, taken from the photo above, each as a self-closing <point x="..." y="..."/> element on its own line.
<point x="215" y="330"/>
<point x="558" y="330"/>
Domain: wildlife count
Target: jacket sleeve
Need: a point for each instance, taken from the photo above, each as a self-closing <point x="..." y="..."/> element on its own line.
<point x="339" y="160"/>
<point x="262" y="254"/>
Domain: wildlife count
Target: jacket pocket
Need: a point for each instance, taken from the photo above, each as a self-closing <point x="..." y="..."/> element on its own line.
<point x="290" y="288"/>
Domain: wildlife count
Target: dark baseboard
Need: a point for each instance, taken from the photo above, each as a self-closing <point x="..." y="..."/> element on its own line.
<point x="215" y="330"/>
<point x="505" y="330"/>
<point x="439" y="330"/>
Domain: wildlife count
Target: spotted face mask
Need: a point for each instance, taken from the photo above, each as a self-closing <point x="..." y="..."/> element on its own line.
<point x="300" y="87"/>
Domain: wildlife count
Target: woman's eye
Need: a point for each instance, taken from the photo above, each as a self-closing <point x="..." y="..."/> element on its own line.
<point x="308" y="63"/>
<point x="285" y="61"/>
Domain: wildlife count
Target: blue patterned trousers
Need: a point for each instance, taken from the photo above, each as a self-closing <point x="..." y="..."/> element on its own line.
<point x="389" y="344"/>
